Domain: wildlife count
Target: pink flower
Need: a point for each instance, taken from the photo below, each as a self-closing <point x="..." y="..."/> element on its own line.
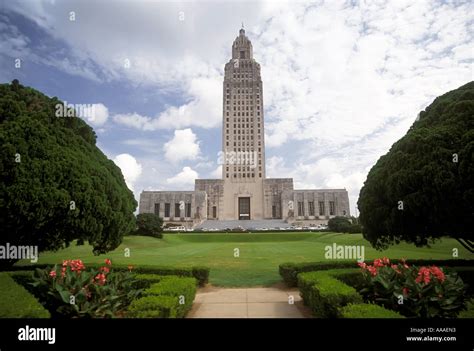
<point x="108" y="262"/>
<point x="378" y="263"/>
<point x="386" y="261"/>
<point x="372" y="270"/>
<point x="395" y="268"/>
<point x="405" y="291"/>
<point x="52" y="274"/>
<point x="362" y="265"/>
<point x="438" y="273"/>
<point x="105" y="269"/>
<point x="100" y="278"/>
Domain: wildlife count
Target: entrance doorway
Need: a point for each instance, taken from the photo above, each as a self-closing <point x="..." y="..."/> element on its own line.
<point x="244" y="208"/>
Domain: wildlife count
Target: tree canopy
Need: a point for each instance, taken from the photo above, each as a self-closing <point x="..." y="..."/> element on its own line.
<point x="57" y="186"/>
<point x="422" y="189"/>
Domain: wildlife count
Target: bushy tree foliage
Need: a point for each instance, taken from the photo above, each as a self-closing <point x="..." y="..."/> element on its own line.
<point x="422" y="188"/>
<point x="149" y="224"/>
<point x="57" y="186"/>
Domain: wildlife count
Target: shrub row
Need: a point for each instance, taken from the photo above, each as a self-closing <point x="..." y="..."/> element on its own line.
<point x="170" y="297"/>
<point x="289" y="271"/>
<point x="199" y="272"/>
<point x="367" y="310"/>
<point x="329" y="297"/>
<point x="469" y="311"/>
<point x="17" y="302"/>
<point x="325" y="294"/>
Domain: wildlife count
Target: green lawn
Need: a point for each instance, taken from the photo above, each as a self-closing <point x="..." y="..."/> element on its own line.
<point x="260" y="254"/>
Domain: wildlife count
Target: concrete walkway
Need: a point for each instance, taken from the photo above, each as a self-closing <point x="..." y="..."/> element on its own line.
<point x="211" y="302"/>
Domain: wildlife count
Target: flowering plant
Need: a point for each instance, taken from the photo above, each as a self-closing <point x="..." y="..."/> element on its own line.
<point x="71" y="290"/>
<point x="414" y="292"/>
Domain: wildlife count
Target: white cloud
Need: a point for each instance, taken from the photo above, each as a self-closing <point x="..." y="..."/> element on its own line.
<point x="97" y="115"/>
<point x="183" y="146"/>
<point x="185" y="178"/>
<point x="131" y="169"/>
<point x="217" y="173"/>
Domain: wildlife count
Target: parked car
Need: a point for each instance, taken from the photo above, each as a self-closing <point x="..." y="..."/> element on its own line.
<point x="181" y="228"/>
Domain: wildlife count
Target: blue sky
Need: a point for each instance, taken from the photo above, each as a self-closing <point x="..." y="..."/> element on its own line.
<point x="343" y="80"/>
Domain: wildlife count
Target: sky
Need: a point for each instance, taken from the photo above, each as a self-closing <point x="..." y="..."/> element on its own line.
<point x="342" y="80"/>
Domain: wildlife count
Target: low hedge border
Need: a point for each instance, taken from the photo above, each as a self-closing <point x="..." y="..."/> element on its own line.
<point x="171" y="297"/>
<point x="289" y="270"/>
<point x="367" y="310"/>
<point x="325" y="294"/>
<point x="201" y="273"/>
<point x="17" y="302"/>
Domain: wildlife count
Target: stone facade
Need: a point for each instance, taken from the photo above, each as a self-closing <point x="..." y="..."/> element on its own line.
<point x="244" y="192"/>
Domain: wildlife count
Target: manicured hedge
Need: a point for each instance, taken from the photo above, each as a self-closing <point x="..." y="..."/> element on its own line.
<point x="325" y="294"/>
<point x="17" y="302"/>
<point x="469" y="312"/>
<point x="145" y="280"/>
<point x="289" y="271"/>
<point x="367" y="310"/>
<point x="171" y="297"/>
<point x="154" y="307"/>
<point x="199" y="272"/>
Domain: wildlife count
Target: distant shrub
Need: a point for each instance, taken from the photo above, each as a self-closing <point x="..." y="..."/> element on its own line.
<point x="149" y="224"/>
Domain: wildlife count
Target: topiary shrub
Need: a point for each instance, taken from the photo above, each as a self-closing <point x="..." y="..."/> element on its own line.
<point x="325" y="294"/>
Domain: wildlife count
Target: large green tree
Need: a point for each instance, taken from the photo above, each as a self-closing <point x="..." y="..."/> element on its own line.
<point x="422" y="188"/>
<point x="57" y="186"/>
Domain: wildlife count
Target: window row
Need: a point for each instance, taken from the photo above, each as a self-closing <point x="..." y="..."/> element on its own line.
<point x="178" y="212"/>
<point x="322" y="210"/>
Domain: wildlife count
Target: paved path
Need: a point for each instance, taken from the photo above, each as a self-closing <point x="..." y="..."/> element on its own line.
<point x="214" y="302"/>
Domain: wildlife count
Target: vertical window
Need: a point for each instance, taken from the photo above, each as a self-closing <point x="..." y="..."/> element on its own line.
<point x="188" y="210"/>
<point x="300" y="208"/>
<point x="242" y="54"/>
<point x="214" y="211"/>
<point x="157" y="209"/>
<point x="311" y="208"/>
<point x="274" y="211"/>
<point x="332" y="208"/>
<point x="321" y="208"/>
<point x="167" y="209"/>
<point x="177" y="212"/>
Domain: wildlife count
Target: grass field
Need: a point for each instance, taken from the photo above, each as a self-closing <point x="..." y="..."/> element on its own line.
<point x="260" y="254"/>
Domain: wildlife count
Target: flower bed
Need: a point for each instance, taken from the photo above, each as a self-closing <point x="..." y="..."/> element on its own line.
<point x="71" y="290"/>
<point x="425" y="291"/>
<point x="290" y="270"/>
<point x="199" y="272"/>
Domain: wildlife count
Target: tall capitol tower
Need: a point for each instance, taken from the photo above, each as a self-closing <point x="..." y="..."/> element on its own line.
<point x="243" y="112"/>
<point x="244" y="193"/>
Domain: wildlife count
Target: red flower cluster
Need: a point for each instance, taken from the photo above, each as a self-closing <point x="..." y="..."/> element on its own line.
<point x="100" y="278"/>
<point x="108" y="262"/>
<point x="425" y="274"/>
<point x="104" y="269"/>
<point x="76" y="266"/>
